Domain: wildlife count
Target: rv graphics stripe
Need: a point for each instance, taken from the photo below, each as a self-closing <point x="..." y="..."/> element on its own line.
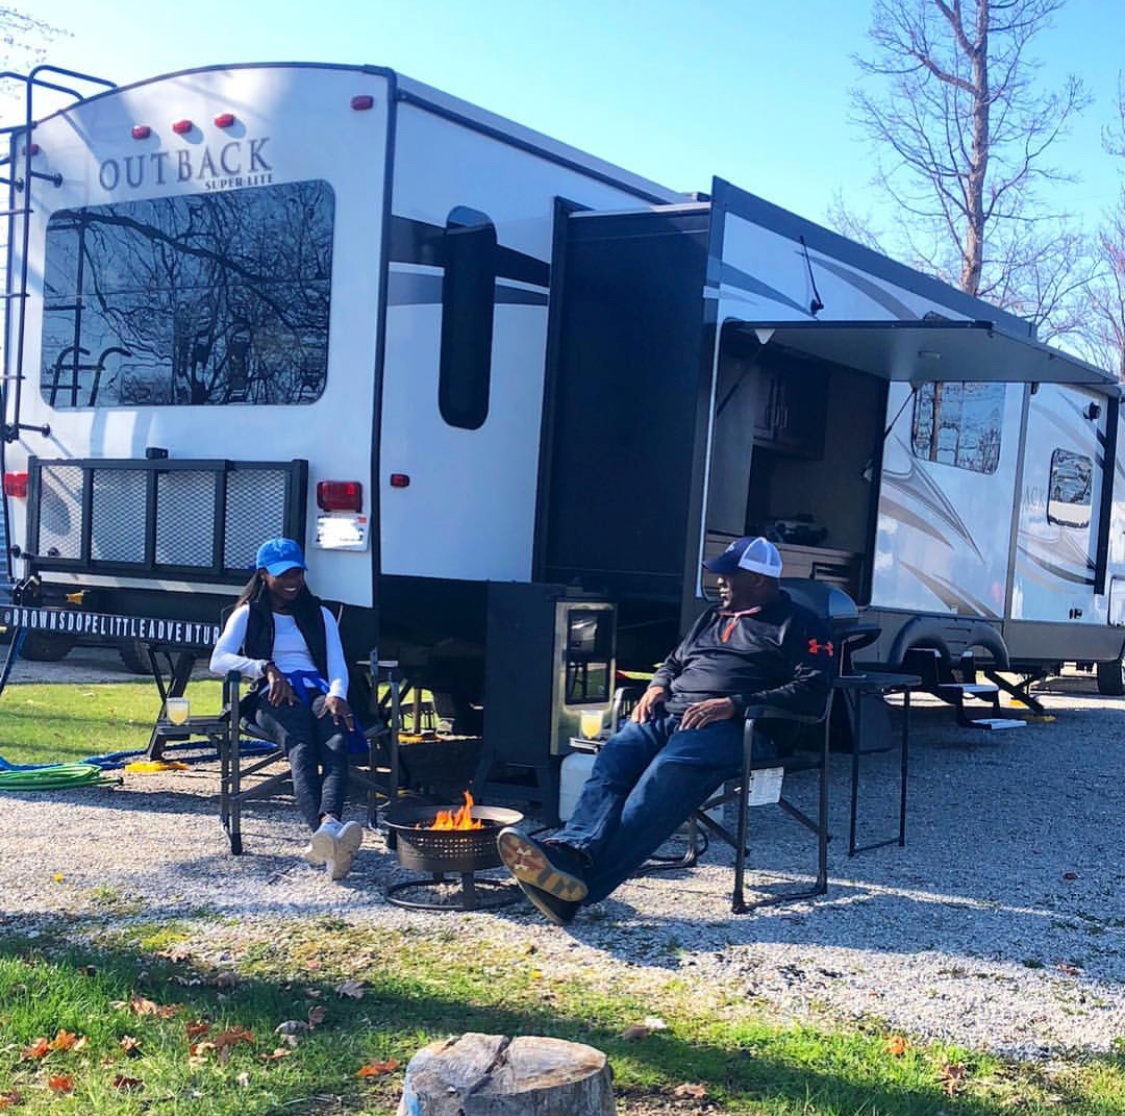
<point x="1051" y="568"/>
<point x="880" y="295"/>
<point x="915" y="484"/>
<point x="414" y="288"/>
<point x="732" y="277"/>
<point x="418" y="242"/>
<point x="950" y="596"/>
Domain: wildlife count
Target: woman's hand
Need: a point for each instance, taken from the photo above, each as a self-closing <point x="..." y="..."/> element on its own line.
<point x="339" y="710"/>
<point x="643" y="710"/>
<point x="280" y="692"/>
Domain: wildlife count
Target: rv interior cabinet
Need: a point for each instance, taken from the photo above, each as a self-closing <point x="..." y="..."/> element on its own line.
<point x="792" y="405"/>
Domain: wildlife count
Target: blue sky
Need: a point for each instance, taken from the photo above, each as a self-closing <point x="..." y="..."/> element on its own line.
<point x="755" y="91"/>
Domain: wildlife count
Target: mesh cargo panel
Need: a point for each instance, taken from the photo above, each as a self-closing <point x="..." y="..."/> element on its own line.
<point x="117" y="518"/>
<point x="255" y="511"/>
<point x="185" y="518"/>
<point x="60" y="511"/>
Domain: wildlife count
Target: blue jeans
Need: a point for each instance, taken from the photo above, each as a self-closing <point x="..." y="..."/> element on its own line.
<point x="312" y="744"/>
<point x="645" y="783"/>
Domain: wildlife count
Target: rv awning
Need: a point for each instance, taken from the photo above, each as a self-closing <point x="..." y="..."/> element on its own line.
<point x="924" y="351"/>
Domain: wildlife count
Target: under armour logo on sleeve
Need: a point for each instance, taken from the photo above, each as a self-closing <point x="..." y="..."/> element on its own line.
<point x="815" y="647"/>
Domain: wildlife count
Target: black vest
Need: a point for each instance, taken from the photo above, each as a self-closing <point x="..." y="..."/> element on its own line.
<point x="258" y="643"/>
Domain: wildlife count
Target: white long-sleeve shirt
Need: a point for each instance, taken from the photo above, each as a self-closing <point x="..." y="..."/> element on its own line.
<point x="290" y="652"/>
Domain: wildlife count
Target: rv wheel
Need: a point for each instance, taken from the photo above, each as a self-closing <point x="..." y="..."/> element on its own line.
<point x="42" y="648"/>
<point x="134" y="656"/>
<point x="1111" y="678"/>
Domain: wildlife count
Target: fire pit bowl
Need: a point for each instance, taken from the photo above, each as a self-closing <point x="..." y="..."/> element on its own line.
<point x="442" y="851"/>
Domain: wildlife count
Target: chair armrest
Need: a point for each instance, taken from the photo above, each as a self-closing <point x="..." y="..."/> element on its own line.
<point x="773" y="713"/>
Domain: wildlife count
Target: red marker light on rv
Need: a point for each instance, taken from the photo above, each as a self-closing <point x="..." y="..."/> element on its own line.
<point x="31" y="149"/>
<point x="400" y="480"/>
<point x="15" y="484"/>
<point x="224" y="120"/>
<point x="362" y="102"/>
<point x="182" y="127"/>
<point x="141" y="131"/>
<point x="339" y="496"/>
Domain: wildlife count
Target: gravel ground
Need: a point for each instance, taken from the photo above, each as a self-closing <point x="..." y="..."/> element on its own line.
<point x="999" y="925"/>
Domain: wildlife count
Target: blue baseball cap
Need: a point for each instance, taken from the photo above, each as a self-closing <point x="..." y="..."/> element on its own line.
<point x="758" y="556"/>
<point x="275" y="556"/>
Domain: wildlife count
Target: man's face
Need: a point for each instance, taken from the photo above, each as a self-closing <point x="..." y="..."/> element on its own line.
<point x="742" y="589"/>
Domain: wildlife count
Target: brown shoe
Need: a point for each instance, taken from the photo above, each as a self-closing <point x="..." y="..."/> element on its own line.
<point x="546" y="867"/>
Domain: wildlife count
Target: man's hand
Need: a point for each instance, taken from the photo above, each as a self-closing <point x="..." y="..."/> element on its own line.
<point x="339" y="710"/>
<point x="707" y="712"/>
<point x="280" y="691"/>
<point x="644" y="709"/>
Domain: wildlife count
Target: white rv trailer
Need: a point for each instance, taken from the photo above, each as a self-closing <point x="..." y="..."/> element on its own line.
<point x="448" y="353"/>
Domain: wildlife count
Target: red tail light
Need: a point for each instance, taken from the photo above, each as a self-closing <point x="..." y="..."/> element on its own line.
<point x="362" y="102"/>
<point x="141" y="131"/>
<point x="15" y="484"/>
<point x="224" y="120"/>
<point x="339" y="496"/>
<point x="182" y="127"/>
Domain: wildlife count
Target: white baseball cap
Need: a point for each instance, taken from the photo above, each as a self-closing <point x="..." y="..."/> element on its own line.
<point x="757" y="555"/>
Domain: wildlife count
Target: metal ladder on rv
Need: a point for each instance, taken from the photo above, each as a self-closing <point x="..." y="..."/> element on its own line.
<point x="18" y="174"/>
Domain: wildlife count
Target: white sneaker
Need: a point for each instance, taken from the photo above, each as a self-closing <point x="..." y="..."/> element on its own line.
<point x="322" y="847"/>
<point x="348" y="839"/>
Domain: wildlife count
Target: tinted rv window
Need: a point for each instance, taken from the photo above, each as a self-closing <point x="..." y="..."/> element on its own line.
<point x="468" y="296"/>
<point x="959" y="424"/>
<point x="1072" y="482"/>
<point x="195" y="299"/>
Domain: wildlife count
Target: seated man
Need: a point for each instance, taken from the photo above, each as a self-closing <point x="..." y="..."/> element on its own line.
<point x="685" y="736"/>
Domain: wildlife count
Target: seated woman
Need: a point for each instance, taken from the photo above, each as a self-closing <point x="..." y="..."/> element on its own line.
<point x="281" y="637"/>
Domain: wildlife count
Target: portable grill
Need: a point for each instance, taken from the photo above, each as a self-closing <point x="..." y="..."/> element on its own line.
<point x="442" y="852"/>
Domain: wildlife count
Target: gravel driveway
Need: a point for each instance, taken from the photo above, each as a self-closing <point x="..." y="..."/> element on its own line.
<point x="999" y="925"/>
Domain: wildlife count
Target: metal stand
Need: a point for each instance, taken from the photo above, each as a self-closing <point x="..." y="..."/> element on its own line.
<point x="475" y="895"/>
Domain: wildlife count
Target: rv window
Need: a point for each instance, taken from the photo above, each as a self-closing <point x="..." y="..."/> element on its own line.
<point x="959" y="424"/>
<point x="468" y="296"/>
<point x="190" y="299"/>
<point x="1072" y="479"/>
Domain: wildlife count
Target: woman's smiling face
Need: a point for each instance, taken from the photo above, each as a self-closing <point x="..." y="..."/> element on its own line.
<point x="284" y="588"/>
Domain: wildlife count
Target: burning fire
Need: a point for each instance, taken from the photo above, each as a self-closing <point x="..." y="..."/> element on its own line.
<point x="461" y="818"/>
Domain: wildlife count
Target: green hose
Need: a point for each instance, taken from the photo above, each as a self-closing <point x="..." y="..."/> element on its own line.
<point x="59" y="776"/>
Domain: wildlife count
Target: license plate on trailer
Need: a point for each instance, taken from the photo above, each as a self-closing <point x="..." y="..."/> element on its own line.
<point x="342" y="532"/>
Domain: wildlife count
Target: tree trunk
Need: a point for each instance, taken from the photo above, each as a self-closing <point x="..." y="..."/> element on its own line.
<point x="492" y="1075"/>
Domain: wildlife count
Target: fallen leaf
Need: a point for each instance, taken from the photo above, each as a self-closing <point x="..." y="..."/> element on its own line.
<point x="130" y="1046"/>
<point x="58" y="877"/>
<point x="226" y="980"/>
<point x="64" y="1040"/>
<point x="176" y="954"/>
<point x="377" y="1069"/>
<point x="536" y="974"/>
<point x="655" y="1023"/>
<point x="276" y="1055"/>
<point x="200" y="1050"/>
<point x="233" y="1036"/>
<point x="197" y="1029"/>
<point x="1070" y="970"/>
<point x="61" y="1083"/>
<point x="635" y="1032"/>
<point x="40" y="1048"/>
<point x="952" y="1076"/>
<point x="1070" y="875"/>
<point x="697" y="1092"/>
<point x="352" y="988"/>
<point x="896" y="1046"/>
<point x="141" y="1006"/>
<point x="316" y="1015"/>
<point x="243" y="1079"/>
<point x="127" y="1084"/>
<point x="10" y="1099"/>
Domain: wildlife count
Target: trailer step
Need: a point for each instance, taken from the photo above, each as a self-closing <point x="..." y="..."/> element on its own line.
<point x="995" y="723"/>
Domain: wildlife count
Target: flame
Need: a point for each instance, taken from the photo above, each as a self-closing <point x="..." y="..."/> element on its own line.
<point x="461" y="818"/>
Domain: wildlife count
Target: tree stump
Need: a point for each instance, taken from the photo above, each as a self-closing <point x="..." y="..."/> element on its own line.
<point x="492" y="1075"/>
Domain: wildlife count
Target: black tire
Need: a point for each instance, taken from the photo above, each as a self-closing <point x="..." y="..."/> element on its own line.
<point x="39" y="647"/>
<point x="134" y="656"/>
<point x="1111" y="678"/>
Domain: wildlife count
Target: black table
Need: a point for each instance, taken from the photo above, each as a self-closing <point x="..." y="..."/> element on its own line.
<point x="882" y="683"/>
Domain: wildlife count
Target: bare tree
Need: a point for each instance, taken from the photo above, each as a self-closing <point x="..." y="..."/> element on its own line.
<point x="1104" y="334"/>
<point x="963" y="133"/>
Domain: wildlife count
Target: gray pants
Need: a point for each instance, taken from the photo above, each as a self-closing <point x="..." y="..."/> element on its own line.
<point x="317" y="751"/>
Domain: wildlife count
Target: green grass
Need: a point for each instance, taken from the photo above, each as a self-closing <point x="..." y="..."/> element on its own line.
<point x="64" y="723"/>
<point x="417" y="990"/>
